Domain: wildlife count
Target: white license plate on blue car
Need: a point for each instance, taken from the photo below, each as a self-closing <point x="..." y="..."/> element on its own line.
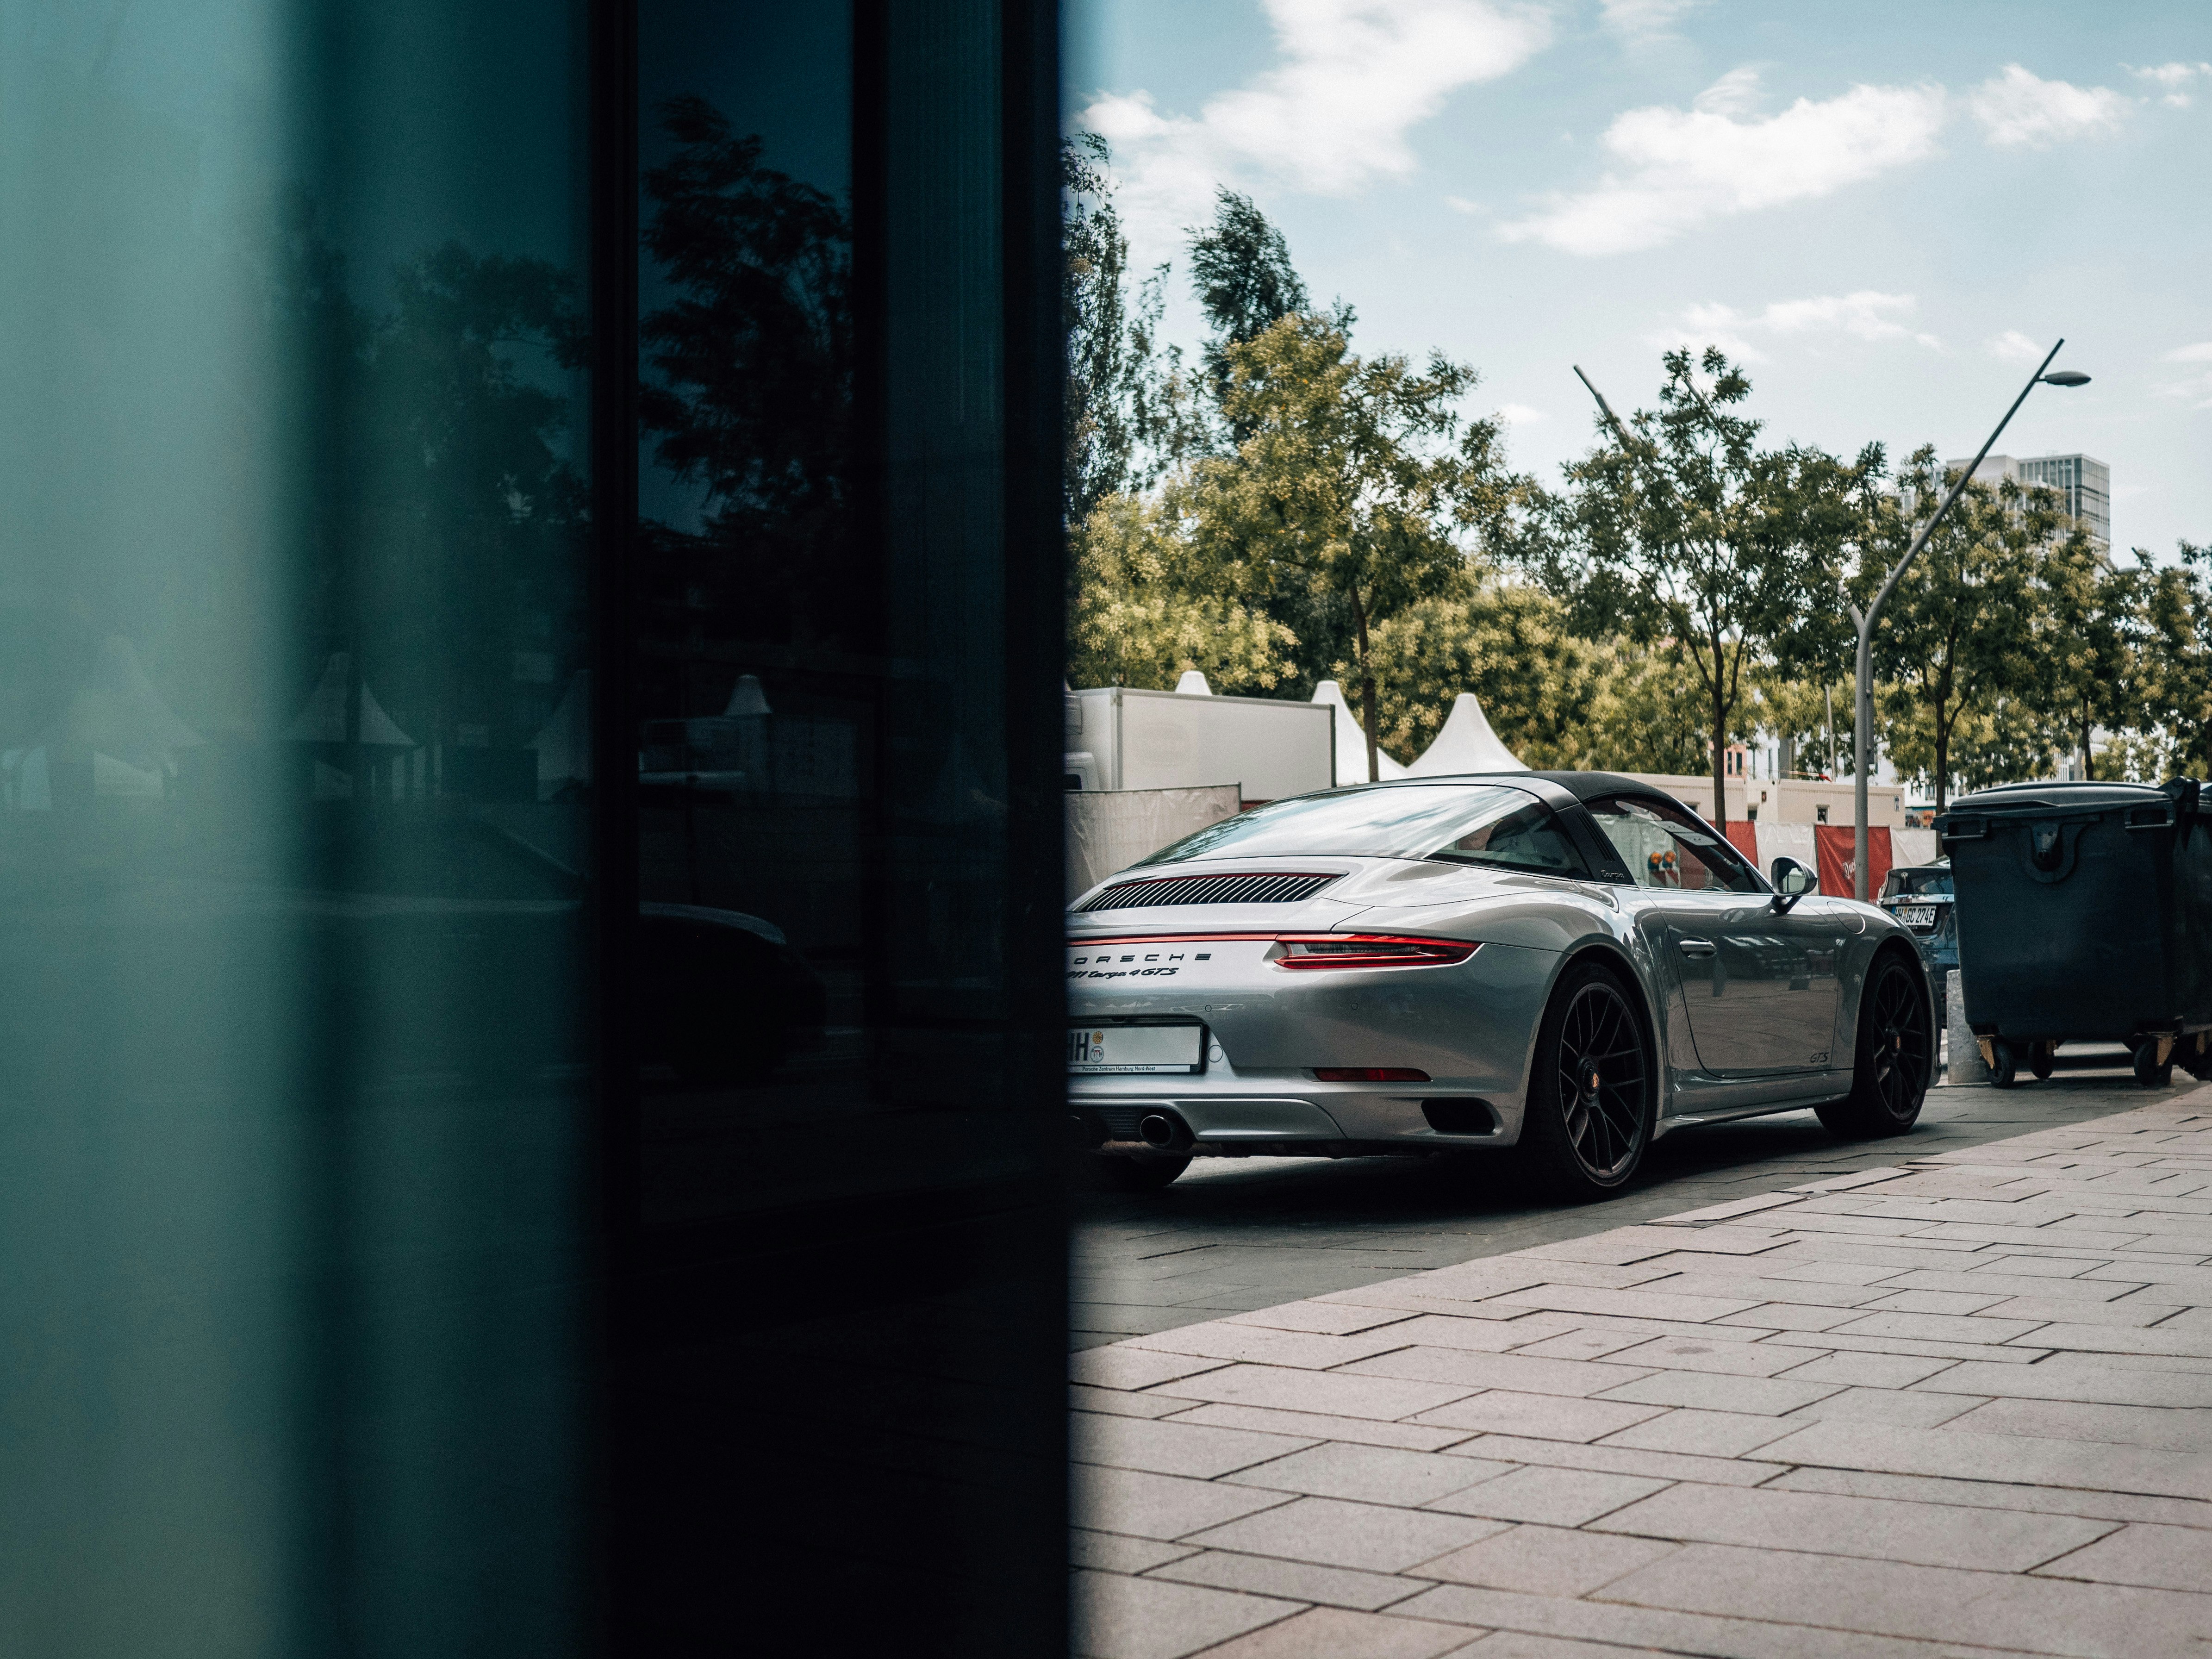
<point x="1135" y="1048"/>
<point x="1916" y="915"/>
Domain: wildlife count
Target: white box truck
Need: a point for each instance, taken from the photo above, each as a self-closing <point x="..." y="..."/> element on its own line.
<point x="1122" y="738"/>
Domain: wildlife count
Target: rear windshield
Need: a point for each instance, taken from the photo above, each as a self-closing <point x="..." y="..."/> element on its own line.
<point x="1489" y="824"/>
<point x="1909" y="884"/>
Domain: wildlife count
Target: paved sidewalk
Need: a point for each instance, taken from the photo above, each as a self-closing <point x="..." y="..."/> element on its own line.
<point x="1959" y="1406"/>
<point x="1238" y="1234"/>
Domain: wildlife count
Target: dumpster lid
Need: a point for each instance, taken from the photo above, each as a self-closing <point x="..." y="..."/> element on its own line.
<point x="2058" y="796"/>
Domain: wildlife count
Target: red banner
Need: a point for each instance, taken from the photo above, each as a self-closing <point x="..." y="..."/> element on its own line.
<point x="1834" y="842"/>
<point x="1744" y="837"/>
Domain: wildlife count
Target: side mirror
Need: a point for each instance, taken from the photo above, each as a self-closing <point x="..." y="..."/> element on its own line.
<point x="1792" y="881"/>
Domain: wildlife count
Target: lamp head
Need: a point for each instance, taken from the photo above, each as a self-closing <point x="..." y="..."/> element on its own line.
<point x="2066" y="377"/>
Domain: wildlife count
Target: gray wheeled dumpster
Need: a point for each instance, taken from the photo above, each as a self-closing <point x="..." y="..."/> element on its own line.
<point x="2085" y="915"/>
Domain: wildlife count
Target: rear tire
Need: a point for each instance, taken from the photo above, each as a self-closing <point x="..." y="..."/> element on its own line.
<point x="1890" y="1067"/>
<point x="1121" y="1173"/>
<point x="1590" y="1089"/>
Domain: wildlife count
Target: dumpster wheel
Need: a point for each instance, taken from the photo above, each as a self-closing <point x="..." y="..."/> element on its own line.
<point x="2155" y="1062"/>
<point x="2003" y="1061"/>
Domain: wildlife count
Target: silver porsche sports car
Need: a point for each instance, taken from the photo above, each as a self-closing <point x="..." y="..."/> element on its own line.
<point x="1572" y="963"/>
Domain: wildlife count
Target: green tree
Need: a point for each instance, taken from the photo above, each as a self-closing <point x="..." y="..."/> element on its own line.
<point x="2178" y="615"/>
<point x="1143" y="612"/>
<point x="1648" y="715"/>
<point x="1505" y="641"/>
<point x="2096" y="656"/>
<point x="1361" y="484"/>
<point x="1242" y="272"/>
<point x="1967" y="624"/>
<point x="1805" y="712"/>
<point x="1679" y="528"/>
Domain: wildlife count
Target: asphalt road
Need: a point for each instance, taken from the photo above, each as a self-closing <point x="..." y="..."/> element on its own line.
<point x="1237" y="1234"/>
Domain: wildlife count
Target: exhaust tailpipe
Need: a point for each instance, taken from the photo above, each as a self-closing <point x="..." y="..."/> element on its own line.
<point x="1160" y="1130"/>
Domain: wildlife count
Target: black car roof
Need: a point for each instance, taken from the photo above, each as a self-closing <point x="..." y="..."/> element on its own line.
<point x="1583" y="786"/>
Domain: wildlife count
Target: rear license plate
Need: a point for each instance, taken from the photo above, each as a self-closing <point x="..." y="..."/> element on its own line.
<point x="1916" y="915"/>
<point x="1095" y="1048"/>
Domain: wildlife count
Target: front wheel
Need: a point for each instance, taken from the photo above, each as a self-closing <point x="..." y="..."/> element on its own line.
<point x="1590" y="1094"/>
<point x="1890" y="1068"/>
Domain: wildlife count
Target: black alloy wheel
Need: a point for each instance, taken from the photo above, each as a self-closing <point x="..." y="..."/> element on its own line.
<point x="1588" y="1117"/>
<point x="1894" y="1058"/>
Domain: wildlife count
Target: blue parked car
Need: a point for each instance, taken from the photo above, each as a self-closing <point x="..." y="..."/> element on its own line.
<point x="1920" y="897"/>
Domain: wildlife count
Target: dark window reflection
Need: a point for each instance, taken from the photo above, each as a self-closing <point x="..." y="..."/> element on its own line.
<point x="292" y="569"/>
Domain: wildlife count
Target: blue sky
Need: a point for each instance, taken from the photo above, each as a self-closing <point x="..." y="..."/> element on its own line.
<point x="1881" y="207"/>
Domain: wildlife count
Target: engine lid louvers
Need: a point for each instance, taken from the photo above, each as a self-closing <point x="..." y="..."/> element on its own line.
<point x="1260" y="887"/>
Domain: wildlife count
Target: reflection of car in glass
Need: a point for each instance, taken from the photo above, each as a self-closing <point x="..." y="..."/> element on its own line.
<point x="1919" y="898"/>
<point x="1568" y="962"/>
<point x="721" y="996"/>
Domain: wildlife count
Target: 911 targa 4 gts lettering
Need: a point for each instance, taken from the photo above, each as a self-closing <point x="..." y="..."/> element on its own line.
<point x="1569" y="964"/>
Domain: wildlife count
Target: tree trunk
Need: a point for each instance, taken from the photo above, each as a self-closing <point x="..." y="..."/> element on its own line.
<point x="2088" y="770"/>
<point x="1367" y="695"/>
<point x="1943" y="762"/>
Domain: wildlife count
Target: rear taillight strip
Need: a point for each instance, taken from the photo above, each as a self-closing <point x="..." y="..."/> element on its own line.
<point x="1307" y="951"/>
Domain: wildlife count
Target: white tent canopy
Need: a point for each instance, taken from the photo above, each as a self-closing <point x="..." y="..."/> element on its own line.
<point x="1192" y="684"/>
<point x="1352" y="740"/>
<point x="324" y="719"/>
<point x="1466" y="744"/>
<point x="119" y="713"/>
<point x="564" y="742"/>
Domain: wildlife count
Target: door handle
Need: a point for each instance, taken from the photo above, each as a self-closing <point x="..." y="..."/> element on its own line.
<point x="1697" y="947"/>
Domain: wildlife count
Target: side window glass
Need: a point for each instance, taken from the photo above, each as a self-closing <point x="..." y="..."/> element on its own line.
<point x="1666" y="848"/>
<point x="1531" y="840"/>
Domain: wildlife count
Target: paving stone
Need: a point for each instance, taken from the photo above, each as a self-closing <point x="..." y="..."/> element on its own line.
<point x="1901" y="1409"/>
<point x="2166" y="1428"/>
<point x="1572" y="1298"/>
<point x="1942" y="1327"/>
<point x="1995" y="1457"/>
<point x="1129" y="1442"/>
<point x="1162" y="1506"/>
<point x="1866" y="1371"/>
<point x="1124" y="1367"/>
<point x="1935" y="1302"/>
<point x="1613" y="1458"/>
<point x="1114" y="1552"/>
<point x="1714" y="1392"/>
<point x="1295" y="1581"/>
<point x="2075" y="1377"/>
<point x="1116" y="1617"/>
<point x="1520" y="1644"/>
<point x="1645" y="1630"/>
<point x="1328" y="1530"/>
<point x="1544" y="1416"/>
<point x="1119" y="1403"/>
<point x="1315" y="1425"/>
<point x="1928" y="1534"/>
<point x="1547" y="1560"/>
<point x="1932" y="1603"/>
<point x="1556" y="1497"/>
<point x="1585" y="1343"/>
<point x="1517" y="1372"/>
<point x="1715" y="1353"/>
<point x="1300" y="1350"/>
<point x="1342" y="1393"/>
<point x="1788" y="1316"/>
<point x="1332" y="1633"/>
<point x="2107" y="1339"/>
<point x="1372" y="1474"/>
<point x="1327" y="1319"/>
<point x="1704" y="1434"/>
<point x="2161" y="1557"/>
<point x="1478" y="1335"/>
<point x="1987" y="1281"/>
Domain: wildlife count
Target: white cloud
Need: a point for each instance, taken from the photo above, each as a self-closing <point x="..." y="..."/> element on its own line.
<point x="2018" y="107"/>
<point x="2014" y="346"/>
<point x="1685" y="167"/>
<point x="1352" y="79"/>
<point x="1461" y="205"/>
<point x="1521" y="415"/>
<point x="1866" y="315"/>
<point x="2173" y="80"/>
<point x="2196" y="385"/>
<point x="1644" y="20"/>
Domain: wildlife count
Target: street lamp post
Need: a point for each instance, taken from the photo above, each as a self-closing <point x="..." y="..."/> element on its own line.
<point x="1862" y="690"/>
